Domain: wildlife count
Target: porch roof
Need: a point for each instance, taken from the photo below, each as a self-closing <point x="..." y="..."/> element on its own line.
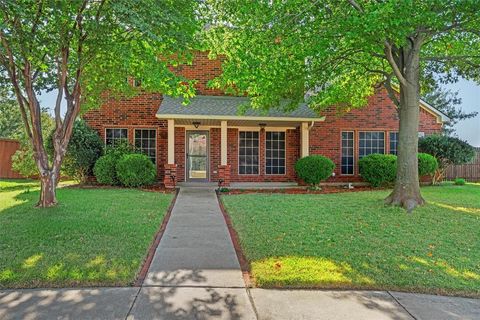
<point x="229" y="108"/>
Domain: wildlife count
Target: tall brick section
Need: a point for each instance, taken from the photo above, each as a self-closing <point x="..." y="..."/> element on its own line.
<point x="379" y="115"/>
<point x="325" y="137"/>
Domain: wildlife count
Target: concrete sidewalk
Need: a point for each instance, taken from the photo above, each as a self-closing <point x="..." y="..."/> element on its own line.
<point x="195" y="274"/>
<point x="223" y="303"/>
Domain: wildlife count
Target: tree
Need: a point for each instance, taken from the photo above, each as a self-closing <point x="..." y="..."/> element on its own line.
<point x="10" y="117"/>
<point x="86" y="50"/>
<point x="447" y="150"/>
<point x="339" y="52"/>
<point x="448" y="103"/>
<point x="84" y="148"/>
<point x="23" y="160"/>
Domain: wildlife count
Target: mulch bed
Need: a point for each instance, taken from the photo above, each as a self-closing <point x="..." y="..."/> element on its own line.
<point x="323" y="190"/>
<point x="153" y="188"/>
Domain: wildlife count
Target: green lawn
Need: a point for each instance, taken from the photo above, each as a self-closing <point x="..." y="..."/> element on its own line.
<point x="93" y="237"/>
<point x="351" y="240"/>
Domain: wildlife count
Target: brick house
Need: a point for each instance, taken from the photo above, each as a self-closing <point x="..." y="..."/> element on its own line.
<point x="209" y="141"/>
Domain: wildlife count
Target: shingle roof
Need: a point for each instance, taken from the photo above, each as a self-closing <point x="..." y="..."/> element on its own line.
<point x="227" y="106"/>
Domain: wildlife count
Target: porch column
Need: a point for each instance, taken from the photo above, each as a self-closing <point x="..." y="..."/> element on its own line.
<point x="304" y="140"/>
<point x="223" y="144"/>
<point x="170" y="177"/>
<point x="224" y="167"/>
<point x="171" y="141"/>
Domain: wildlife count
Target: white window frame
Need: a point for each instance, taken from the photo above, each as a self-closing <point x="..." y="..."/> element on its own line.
<point x="284" y="153"/>
<point x="258" y="155"/>
<point x="371" y="131"/>
<point x="113" y="128"/>
<point x="149" y="129"/>
<point x="353" y="152"/>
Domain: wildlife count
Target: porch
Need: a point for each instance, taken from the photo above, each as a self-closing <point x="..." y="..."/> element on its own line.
<point x="212" y="141"/>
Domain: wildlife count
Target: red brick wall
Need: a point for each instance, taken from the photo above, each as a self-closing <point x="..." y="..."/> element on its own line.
<point x="139" y="112"/>
<point x="379" y="115"/>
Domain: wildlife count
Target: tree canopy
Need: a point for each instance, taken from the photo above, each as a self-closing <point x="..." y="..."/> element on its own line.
<point x="338" y="52"/>
<point x="86" y="50"/>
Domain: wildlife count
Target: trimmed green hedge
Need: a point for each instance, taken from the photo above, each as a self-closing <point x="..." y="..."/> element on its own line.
<point x="378" y="169"/>
<point x="105" y="170"/>
<point x="427" y="164"/>
<point x="313" y="169"/>
<point x="135" y="170"/>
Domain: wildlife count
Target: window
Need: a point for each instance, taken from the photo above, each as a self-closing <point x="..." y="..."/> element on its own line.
<point x="248" y="152"/>
<point x="347" y="153"/>
<point x="275" y="153"/>
<point x="146" y="142"/>
<point x="115" y="136"/>
<point x="371" y="142"/>
<point x="393" y="142"/>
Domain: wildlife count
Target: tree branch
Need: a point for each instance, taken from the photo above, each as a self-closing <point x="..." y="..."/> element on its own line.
<point x="393" y="64"/>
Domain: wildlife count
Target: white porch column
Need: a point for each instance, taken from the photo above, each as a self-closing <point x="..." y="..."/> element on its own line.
<point x="223" y="144"/>
<point x="304" y="140"/>
<point x="171" y="141"/>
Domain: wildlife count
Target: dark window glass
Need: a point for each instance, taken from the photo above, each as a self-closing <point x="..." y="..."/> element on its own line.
<point x="115" y="136"/>
<point x="275" y="153"/>
<point x="248" y="152"/>
<point x="347" y="164"/>
<point x="393" y="142"/>
<point x="145" y="142"/>
<point x="371" y="142"/>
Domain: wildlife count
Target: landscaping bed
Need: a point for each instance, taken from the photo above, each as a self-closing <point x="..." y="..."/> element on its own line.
<point x="298" y="190"/>
<point x="94" y="237"/>
<point x="352" y="240"/>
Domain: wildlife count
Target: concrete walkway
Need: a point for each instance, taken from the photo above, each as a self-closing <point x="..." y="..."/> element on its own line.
<point x="195" y="274"/>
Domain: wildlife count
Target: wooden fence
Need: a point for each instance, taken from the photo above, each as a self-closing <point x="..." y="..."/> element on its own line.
<point x="7" y="149"/>
<point x="469" y="171"/>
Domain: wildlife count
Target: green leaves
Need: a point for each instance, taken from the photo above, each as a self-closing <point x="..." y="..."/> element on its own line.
<point x="333" y="51"/>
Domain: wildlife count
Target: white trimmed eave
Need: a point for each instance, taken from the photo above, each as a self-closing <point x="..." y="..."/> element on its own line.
<point x="441" y="118"/>
<point x="182" y="120"/>
<point x="228" y="117"/>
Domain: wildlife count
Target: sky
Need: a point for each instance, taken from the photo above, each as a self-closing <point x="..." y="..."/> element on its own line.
<point x="468" y="129"/>
<point x="469" y="92"/>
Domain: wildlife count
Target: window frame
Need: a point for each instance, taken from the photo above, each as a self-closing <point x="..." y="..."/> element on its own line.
<point x="156" y="146"/>
<point x="359" y="132"/>
<point x="114" y="128"/>
<point x="354" y="153"/>
<point x="258" y="155"/>
<point x="284" y="153"/>
<point x="390" y="143"/>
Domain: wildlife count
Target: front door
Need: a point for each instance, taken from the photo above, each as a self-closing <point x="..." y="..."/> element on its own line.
<point x="197" y="155"/>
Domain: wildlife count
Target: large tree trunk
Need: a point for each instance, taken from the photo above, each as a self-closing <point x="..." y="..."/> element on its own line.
<point x="48" y="196"/>
<point x="406" y="192"/>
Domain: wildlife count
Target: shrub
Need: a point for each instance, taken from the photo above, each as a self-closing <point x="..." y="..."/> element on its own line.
<point x="427" y="164"/>
<point x="135" y="170"/>
<point x="313" y="169"/>
<point x="84" y="148"/>
<point x="378" y="169"/>
<point x="459" y="181"/>
<point x="105" y="170"/>
<point x="447" y="150"/>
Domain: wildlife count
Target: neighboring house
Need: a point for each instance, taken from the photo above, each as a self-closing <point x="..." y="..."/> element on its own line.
<point x="209" y="141"/>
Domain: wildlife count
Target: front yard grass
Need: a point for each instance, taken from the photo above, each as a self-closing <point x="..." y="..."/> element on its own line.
<point x="351" y="240"/>
<point x="93" y="237"/>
